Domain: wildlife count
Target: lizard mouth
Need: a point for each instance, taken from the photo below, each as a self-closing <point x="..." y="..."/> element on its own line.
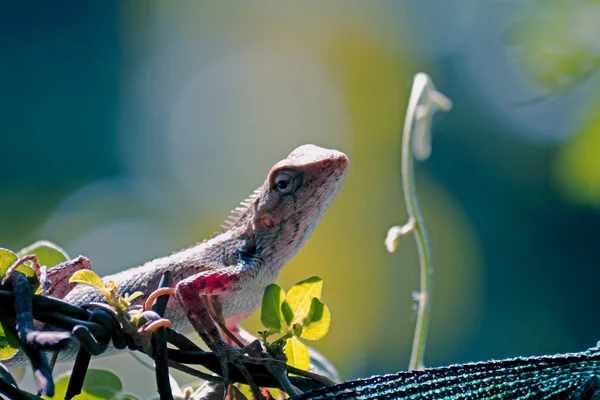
<point x="343" y="165"/>
<point x="344" y="162"/>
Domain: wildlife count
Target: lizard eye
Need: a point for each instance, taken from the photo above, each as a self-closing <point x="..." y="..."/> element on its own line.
<point x="285" y="183"/>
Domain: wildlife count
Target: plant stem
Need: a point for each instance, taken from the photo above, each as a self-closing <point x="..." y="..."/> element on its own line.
<point x="423" y="102"/>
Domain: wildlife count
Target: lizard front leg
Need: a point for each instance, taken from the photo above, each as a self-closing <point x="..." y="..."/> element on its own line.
<point x="211" y="284"/>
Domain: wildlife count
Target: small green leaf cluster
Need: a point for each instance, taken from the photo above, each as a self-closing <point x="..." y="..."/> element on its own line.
<point x="121" y="302"/>
<point x="98" y="385"/>
<point x="299" y="314"/>
<point x="49" y="255"/>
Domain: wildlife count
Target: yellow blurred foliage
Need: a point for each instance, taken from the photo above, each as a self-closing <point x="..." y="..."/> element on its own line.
<point x="368" y="294"/>
<point x="577" y="167"/>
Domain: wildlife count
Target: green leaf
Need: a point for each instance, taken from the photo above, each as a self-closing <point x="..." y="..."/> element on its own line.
<point x="98" y="385"/>
<point x="233" y="393"/>
<point x="245" y="390"/>
<point x="271" y="314"/>
<point x="297" y="354"/>
<point x="87" y="277"/>
<point x="8" y="258"/>
<point x="60" y="387"/>
<point x="287" y="312"/>
<point x="8" y="343"/>
<point x="102" y="384"/>
<point x="317" y="322"/>
<point x="300" y="296"/>
<point x="47" y="253"/>
<point x="297" y="329"/>
<point x="274" y="393"/>
<point x="133" y="296"/>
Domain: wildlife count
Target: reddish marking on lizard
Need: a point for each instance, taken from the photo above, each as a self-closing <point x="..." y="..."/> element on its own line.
<point x="268" y="221"/>
<point x="213" y="283"/>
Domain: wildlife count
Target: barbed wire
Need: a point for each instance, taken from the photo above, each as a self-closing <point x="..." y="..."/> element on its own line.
<point x="94" y="327"/>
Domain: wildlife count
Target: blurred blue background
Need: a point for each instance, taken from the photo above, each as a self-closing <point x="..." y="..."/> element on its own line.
<point x="130" y="129"/>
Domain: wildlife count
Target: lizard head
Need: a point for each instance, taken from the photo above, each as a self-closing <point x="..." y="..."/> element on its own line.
<point x="284" y="211"/>
<point x="294" y="197"/>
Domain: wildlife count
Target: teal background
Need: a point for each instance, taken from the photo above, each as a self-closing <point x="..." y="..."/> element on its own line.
<point x="130" y="129"/>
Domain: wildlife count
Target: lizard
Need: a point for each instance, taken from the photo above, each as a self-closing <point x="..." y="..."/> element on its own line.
<point x="229" y="272"/>
<point x="573" y="376"/>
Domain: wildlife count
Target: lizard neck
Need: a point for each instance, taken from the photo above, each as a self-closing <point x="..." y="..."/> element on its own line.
<point x="249" y="245"/>
<point x="246" y="241"/>
<point x="235" y="246"/>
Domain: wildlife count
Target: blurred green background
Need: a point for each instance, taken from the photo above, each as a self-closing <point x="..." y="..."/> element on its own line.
<point x="129" y="130"/>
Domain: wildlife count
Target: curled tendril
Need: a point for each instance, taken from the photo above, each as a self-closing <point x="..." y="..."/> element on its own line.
<point x="397" y="233"/>
<point x="423" y="102"/>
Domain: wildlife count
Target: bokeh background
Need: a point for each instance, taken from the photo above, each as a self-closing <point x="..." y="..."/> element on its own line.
<point x="130" y="129"/>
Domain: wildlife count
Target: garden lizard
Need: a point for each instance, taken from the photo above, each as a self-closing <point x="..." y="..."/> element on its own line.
<point x="233" y="268"/>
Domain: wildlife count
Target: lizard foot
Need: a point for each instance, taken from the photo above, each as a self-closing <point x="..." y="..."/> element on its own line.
<point x="277" y="367"/>
<point x="227" y="354"/>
